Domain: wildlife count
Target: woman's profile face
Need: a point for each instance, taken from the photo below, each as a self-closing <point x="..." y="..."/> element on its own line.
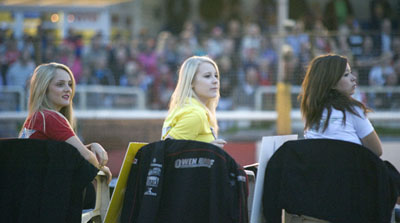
<point x="60" y="90"/>
<point x="206" y="83"/>
<point x="347" y="83"/>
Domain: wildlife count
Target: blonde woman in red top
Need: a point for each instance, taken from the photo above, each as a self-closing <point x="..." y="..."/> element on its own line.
<point x="50" y="113"/>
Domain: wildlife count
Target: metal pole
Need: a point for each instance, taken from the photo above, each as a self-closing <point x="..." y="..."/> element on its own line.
<point x="137" y="17"/>
<point x="282" y="17"/>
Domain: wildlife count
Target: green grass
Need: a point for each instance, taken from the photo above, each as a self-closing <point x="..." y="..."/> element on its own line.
<point x="387" y="131"/>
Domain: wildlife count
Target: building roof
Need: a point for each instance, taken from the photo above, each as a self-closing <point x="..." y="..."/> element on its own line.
<point x="60" y="3"/>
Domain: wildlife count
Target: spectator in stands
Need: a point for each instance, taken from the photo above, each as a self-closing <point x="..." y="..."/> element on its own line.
<point x="227" y="82"/>
<point x="243" y="95"/>
<point x="320" y="40"/>
<point x="340" y="44"/>
<point x="119" y="57"/>
<point x="378" y="76"/>
<point x="383" y="39"/>
<point x="19" y="72"/>
<point x="268" y="57"/>
<point x="215" y="44"/>
<point x="27" y="43"/>
<point x="266" y="71"/>
<point x="366" y="60"/>
<point x="177" y="12"/>
<point x="166" y="49"/>
<point x="337" y="12"/>
<point x="356" y="39"/>
<point x="96" y="49"/>
<point x="235" y="33"/>
<point x="378" y="73"/>
<point x="252" y="41"/>
<point x="130" y="76"/>
<point x="296" y="35"/>
<point x="87" y="77"/>
<point x="147" y="58"/>
<point x="396" y="67"/>
<point x="9" y="54"/>
<point x="390" y="99"/>
<point x="192" y="106"/>
<point x="290" y="63"/>
<point x="162" y="88"/>
<point x="396" y="46"/>
<point x="135" y="77"/>
<point x="50" y="53"/>
<point x="101" y="71"/>
<point x="303" y="59"/>
<point x="69" y="58"/>
<point x="186" y="45"/>
<point x="50" y="113"/>
<point x="329" y="110"/>
<point x="379" y="10"/>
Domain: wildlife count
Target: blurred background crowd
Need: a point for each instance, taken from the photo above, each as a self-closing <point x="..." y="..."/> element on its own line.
<point x="245" y="48"/>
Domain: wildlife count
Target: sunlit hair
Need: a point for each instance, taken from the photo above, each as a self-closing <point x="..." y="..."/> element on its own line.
<point x="39" y="84"/>
<point x="322" y="76"/>
<point x="184" y="88"/>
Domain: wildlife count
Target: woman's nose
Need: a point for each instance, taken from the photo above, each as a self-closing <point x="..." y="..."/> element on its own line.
<point x="68" y="88"/>
<point x="354" y="78"/>
<point x="215" y="80"/>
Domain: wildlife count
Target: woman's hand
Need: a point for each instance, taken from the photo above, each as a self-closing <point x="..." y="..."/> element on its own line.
<point x="108" y="173"/>
<point x="219" y="142"/>
<point x="100" y="152"/>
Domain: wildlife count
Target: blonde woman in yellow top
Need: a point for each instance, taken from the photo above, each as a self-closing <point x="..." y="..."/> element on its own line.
<point x="191" y="114"/>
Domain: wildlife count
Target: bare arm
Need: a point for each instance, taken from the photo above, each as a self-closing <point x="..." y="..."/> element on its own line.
<point x="219" y="142"/>
<point x="99" y="151"/>
<point x="89" y="155"/>
<point x="372" y="142"/>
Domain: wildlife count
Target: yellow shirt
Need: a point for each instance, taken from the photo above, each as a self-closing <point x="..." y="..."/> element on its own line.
<point x="189" y="122"/>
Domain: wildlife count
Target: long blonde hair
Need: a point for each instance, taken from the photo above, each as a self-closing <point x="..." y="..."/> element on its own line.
<point x="184" y="89"/>
<point x="39" y="85"/>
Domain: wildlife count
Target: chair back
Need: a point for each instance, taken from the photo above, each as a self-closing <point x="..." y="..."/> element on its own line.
<point x="269" y="145"/>
<point x="327" y="179"/>
<point x="42" y="181"/>
<point x="185" y="181"/>
<point x="391" y="153"/>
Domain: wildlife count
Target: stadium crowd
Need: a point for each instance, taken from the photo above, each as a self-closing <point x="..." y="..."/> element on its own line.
<point x="245" y="51"/>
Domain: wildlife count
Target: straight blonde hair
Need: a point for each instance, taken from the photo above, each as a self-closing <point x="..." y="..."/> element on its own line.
<point x="184" y="88"/>
<point x="39" y="84"/>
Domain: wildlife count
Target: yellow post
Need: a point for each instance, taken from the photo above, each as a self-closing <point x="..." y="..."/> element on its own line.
<point x="283" y="104"/>
<point x="283" y="108"/>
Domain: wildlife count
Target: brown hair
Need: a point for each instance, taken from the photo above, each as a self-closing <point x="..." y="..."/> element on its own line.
<point x="318" y="93"/>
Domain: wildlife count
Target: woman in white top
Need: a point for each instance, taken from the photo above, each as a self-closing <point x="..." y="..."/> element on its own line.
<point x="329" y="110"/>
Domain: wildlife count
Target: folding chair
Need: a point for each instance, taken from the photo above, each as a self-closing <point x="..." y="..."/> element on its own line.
<point x="251" y="180"/>
<point x="333" y="180"/>
<point x="391" y="153"/>
<point x="185" y="181"/>
<point x="269" y="145"/>
<point x="42" y="181"/>
<point x="102" y="200"/>
<point x="114" y="209"/>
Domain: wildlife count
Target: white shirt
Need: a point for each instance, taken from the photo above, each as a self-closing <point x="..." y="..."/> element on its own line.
<point x="354" y="129"/>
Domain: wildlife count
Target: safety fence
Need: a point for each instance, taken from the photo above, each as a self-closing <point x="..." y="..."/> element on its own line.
<point x="113" y="102"/>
